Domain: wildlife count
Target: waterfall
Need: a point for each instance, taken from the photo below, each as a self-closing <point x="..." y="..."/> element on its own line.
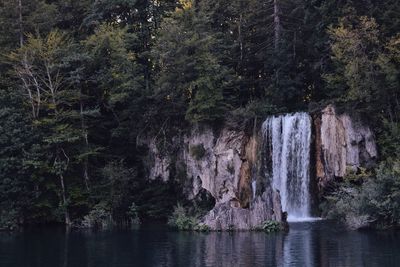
<point x="254" y="188"/>
<point x="287" y="141"/>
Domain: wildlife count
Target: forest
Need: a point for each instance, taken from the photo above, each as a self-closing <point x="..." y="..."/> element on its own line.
<point x="83" y="83"/>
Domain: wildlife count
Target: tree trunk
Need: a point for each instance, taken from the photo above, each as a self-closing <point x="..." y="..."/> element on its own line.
<point x="277" y="26"/>
<point x="64" y="198"/>
<point x="240" y="39"/>
<point x="60" y="150"/>
<point x="21" y="30"/>
<point x="85" y="136"/>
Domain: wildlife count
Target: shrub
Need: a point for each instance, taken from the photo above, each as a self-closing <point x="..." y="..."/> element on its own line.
<point x="272" y="226"/>
<point x="374" y="202"/>
<point x="383" y="194"/>
<point x="346" y="205"/>
<point x="239" y="118"/>
<point x="357" y="175"/>
<point x="181" y="220"/>
<point x="389" y="140"/>
<point x="201" y="228"/>
<point x="99" y="217"/>
<point x="197" y="151"/>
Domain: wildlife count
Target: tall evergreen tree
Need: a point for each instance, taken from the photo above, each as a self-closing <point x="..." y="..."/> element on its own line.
<point x="192" y="79"/>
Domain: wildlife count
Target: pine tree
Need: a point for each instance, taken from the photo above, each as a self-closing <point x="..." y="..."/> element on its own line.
<point x="192" y="79"/>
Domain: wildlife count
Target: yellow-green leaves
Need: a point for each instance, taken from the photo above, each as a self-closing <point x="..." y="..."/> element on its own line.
<point x="360" y="56"/>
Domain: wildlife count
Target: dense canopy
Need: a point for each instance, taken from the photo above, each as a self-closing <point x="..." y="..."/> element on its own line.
<point x="83" y="81"/>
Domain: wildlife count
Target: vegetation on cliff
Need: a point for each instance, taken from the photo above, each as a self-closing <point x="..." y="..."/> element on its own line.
<point x="370" y="198"/>
<point x="82" y="82"/>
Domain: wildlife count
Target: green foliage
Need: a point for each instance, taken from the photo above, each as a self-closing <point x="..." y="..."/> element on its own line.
<point x="272" y="226"/>
<point x="16" y="136"/>
<point x="363" y="77"/>
<point x="83" y="82"/>
<point x="384" y="194"/>
<point x="202" y="228"/>
<point x="197" y="151"/>
<point x="99" y="217"/>
<point x="389" y="140"/>
<point x="253" y="111"/>
<point x="373" y="203"/>
<point x="358" y="175"/>
<point x="181" y="220"/>
<point x="120" y="181"/>
<point x="355" y="50"/>
<point x="156" y="199"/>
<point x="109" y="53"/>
<point x="346" y="205"/>
<point x="191" y="77"/>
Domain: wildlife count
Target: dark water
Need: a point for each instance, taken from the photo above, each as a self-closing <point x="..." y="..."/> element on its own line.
<point x="307" y="244"/>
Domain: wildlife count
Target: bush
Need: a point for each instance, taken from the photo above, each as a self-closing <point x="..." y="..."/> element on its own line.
<point x="389" y="140"/>
<point x="358" y="175"/>
<point x="99" y="217"/>
<point x="239" y="118"/>
<point x="181" y="220"/>
<point x="383" y="194"/>
<point x="373" y="203"/>
<point x="272" y="226"/>
<point x="201" y="228"/>
<point x="346" y="205"/>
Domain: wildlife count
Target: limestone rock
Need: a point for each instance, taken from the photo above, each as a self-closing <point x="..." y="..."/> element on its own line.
<point x="224" y="164"/>
<point x="159" y="163"/>
<point x="228" y="216"/>
<point x="218" y="169"/>
<point x="342" y="143"/>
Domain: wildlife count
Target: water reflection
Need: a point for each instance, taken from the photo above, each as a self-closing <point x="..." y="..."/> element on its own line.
<point x="306" y="244"/>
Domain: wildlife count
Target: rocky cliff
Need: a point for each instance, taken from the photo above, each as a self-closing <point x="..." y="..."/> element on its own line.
<point x="235" y="167"/>
<point x="343" y="144"/>
<point x="224" y="164"/>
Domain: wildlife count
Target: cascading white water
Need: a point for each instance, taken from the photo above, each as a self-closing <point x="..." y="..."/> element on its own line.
<point x="288" y="141"/>
<point x="254" y="188"/>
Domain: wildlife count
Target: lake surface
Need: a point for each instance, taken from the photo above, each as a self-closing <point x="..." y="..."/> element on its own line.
<point x="306" y="244"/>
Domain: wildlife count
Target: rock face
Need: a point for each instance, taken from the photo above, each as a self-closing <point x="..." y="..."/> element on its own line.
<point x="230" y="216"/>
<point x="225" y="165"/>
<point x="235" y="167"/>
<point x="218" y="167"/>
<point x="342" y="143"/>
<point x="160" y="163"/>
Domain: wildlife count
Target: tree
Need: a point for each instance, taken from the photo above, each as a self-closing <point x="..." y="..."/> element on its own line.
<point x="191" y="78"/>
<point x="39" y="66"/>
<point x="16" y="138"/>
<point x="366" y="68"/>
